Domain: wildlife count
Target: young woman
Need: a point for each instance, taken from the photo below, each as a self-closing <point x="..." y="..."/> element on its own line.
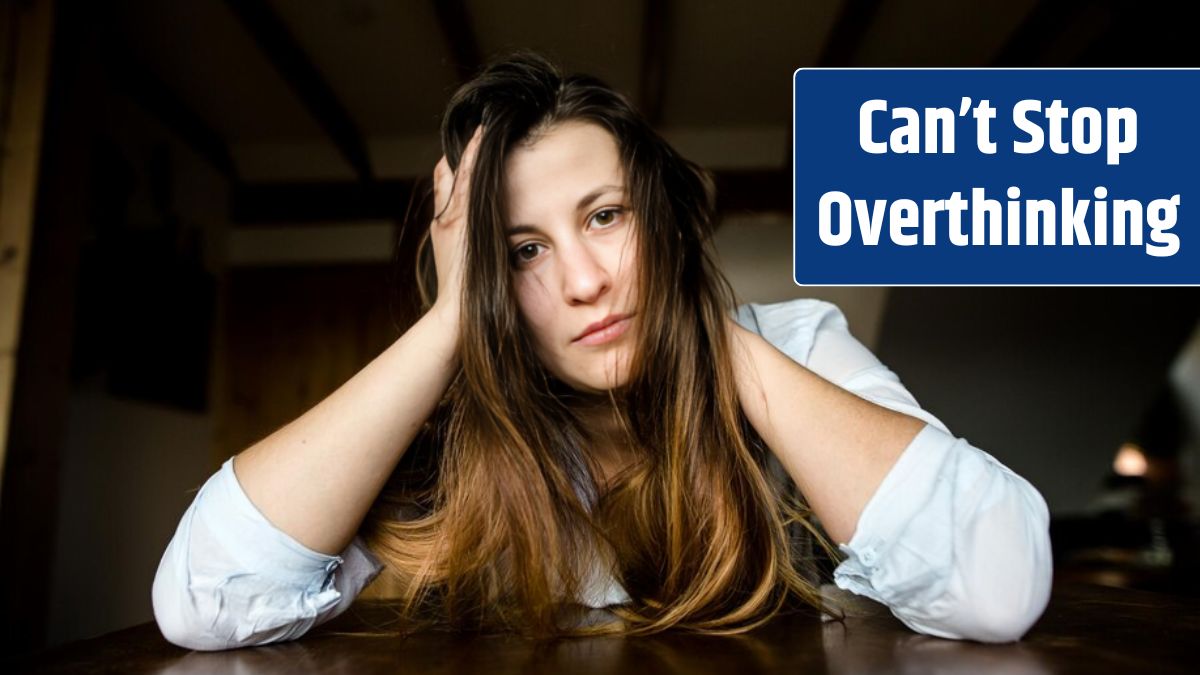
<point x="583" y="418"/>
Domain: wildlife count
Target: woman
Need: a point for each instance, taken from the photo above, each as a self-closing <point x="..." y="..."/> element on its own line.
<point x="583" y="418"/>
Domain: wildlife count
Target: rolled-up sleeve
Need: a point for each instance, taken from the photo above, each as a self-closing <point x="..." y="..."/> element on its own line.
<point x="953" y="542"/>
<point x="230" y="578"/>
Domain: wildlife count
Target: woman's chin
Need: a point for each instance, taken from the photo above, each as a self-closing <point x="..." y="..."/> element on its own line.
<point x="596" y="377"/>
<point x="596" y="387"/>
<point x="597" y="383"/>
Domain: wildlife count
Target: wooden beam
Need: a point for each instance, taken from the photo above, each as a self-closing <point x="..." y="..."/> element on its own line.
<point x="309" y="202"/>
<point x="156" y="98"/>
<point x="25" y="30"/>
<point x="848" y="32"/>
<point x="753" y="190"/>
<point x="655" y="43"/>
<point x="284" y="52"/>
<point x="455" y="21"/>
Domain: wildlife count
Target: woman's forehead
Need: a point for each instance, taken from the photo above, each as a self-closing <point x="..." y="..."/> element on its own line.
<point x="561" y="165"/>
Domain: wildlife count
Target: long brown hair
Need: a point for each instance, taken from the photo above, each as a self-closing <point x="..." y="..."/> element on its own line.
<point x="494" y="515"/>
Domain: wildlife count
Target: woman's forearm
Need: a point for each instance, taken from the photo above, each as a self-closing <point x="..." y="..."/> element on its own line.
<point x="316" y="477"/>
<point x="836" y="446"/>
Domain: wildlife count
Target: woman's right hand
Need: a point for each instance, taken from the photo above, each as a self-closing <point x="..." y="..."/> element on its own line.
<point x="451" y="192"/>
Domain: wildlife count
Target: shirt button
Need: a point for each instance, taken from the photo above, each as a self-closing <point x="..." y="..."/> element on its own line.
<point x="868" y="556"/>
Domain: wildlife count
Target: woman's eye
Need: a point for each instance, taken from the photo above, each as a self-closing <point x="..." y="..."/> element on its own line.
<point x="606" y="218"/>
<point x="526" y="252"/>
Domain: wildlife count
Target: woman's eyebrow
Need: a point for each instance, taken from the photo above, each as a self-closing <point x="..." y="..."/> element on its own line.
<point x="592" y="196"/>
<point x="521" y="229"/>
<point x="585" y="202"/>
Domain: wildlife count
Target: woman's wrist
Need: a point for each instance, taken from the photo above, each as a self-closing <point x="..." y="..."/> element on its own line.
<point x="444" y="321"/>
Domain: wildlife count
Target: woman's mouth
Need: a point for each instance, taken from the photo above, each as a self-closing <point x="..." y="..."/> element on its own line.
<point x="606" y="330"/>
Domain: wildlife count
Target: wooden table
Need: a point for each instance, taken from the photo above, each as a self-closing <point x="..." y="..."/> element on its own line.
<point x="1086" y="629"/>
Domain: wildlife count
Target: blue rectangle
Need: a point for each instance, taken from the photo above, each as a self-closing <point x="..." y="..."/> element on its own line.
<point x="1157" y="175"/>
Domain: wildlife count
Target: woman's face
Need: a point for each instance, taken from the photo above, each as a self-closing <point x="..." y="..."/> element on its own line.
<point x="573" y="253"/>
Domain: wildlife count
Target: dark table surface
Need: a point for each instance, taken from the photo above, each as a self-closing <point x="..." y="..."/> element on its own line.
<point x="1086" y="629"/>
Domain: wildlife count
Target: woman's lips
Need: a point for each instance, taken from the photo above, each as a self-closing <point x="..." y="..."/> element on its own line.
<point x="607" y="332"/>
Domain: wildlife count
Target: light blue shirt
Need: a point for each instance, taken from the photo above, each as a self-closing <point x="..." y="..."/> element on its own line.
<point x="952" y="541"/>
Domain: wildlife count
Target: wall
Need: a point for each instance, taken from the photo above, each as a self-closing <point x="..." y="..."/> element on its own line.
<point x="1049" y="380"/>
<point x="129" y="468"/>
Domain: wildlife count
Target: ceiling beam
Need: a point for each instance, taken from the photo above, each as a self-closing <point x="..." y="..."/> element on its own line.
<point x="848" y="32"/>
<point x="155" y="97"/>
<point x="323" y="201"/>
<point x="655" y="42"/>
<point x="284" y="52"/>
<point x="291" y="203"/>
<point x="455" y="21"/>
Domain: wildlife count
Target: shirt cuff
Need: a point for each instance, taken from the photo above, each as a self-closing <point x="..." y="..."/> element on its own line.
<point x="881" y="563"/>
<point x="258" y="545"/>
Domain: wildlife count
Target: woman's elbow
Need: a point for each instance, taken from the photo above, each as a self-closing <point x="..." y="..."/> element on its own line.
<point x="1001" y="608"/>
<point x="1002" y="621"/>
<point x="177" y="623"/>
<point x="236" y="610"/>
<point x="1007" y="585"/>
<point x="179" y="619"/>
<point x="188" y="634"/>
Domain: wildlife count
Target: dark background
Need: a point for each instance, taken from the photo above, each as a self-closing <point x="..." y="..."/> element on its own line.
<point x="219" y="241"/>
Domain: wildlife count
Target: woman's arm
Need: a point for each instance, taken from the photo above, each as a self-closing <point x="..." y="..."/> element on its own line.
<point x="229" y="578"/>
<point x="265" y="554"/>
<point x="836" y="446"/>
<point x="951" y="540"/>
<point x="316" y="477"/>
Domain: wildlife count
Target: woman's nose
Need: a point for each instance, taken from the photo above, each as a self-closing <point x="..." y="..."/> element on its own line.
<point x="585" y="279"/>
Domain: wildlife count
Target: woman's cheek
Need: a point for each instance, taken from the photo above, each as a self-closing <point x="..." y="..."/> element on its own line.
<point x="533" y="303"/>
<point x="531" y="300"/>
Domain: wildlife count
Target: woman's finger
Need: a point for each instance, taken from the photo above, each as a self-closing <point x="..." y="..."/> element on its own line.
<point x="442" y="177"/>
<point x="467" y="165"/>
<point x="472" y="149"/>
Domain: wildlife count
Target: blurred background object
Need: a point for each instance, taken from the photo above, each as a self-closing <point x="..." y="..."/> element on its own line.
<point x="208" y="213"/>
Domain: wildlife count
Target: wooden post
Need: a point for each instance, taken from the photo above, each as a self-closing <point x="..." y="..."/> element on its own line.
<point x="25" y="59"/>
<point x="56" y="203"/>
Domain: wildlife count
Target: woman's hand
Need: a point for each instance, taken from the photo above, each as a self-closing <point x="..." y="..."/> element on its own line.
<point x="451" y="191"/>
<point x="801" y="415"/>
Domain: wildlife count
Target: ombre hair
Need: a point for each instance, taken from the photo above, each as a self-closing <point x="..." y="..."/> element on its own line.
<point x="494" y="516"/>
